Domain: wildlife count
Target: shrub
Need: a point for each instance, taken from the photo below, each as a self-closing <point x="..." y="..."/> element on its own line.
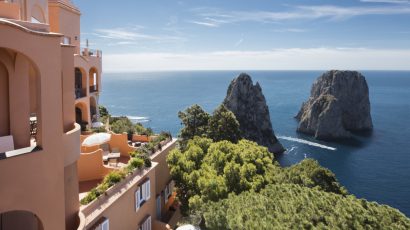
<point x="113" y="177"/>
<point x="135" y="163"/>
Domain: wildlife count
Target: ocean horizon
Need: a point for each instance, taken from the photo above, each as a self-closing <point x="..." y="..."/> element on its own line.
<point x="372" y="167"/>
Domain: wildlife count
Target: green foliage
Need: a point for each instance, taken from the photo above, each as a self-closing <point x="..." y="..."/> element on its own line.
<point x="195" y="123"/>
<point x="122" y="125"/>
<point x="92" y="195"/>
<point x="224" y="126"/>
<point x="135" y="163"/>
<point x="309" y="173"/>
<point x="141" y="130"/>
<point x="103" y="111"/>
<point x="213" y="170"/>
<point x="287" y="206"/>
<point x="113" y="177"/>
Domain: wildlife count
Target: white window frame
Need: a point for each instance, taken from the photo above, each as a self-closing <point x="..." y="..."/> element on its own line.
<point x="105" y="225"/>
<point x="143" y="193"/>
<point x="146" y="225"/>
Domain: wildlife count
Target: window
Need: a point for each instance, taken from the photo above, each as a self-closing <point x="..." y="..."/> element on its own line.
<point x="105" y="225"/>
<point x="142" y="194"/>
<point x="146" y="225"/>
<point x="168" y="191"/>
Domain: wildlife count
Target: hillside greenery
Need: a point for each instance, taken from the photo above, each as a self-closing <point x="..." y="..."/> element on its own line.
<point x="240" y="186"/>
<point x="232" y="183"/>
<point x="221" y="125"/>
<point x="290" y="206"/>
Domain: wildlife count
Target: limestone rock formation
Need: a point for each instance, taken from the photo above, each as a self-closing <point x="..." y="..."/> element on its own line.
<point x="338" y="105"/>
<point x="248" y="104"/>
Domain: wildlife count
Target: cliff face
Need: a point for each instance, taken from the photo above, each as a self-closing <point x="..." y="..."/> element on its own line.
<point x="248" y="104"/>
<point x="338" y="104"/>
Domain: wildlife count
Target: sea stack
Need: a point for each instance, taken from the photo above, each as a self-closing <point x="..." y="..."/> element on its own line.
<point x="338" y="105"/>
<point x="248" y="103"/>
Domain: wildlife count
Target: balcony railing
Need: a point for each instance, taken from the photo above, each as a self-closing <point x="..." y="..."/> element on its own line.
<point x="80" y="93"/>
<point x="93" y="88"/>
<point x="91" y="52"/>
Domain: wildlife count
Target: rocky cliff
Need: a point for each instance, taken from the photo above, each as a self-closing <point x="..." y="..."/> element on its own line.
<point x="338" y="105"/>
<point x="248" y="104"/>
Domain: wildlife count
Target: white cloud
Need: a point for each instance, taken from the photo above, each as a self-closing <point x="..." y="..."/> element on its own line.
<point x="132" y="35"/>
<point x="279" y="59"/>
<point x="207" y="24"/>
<point x="217" y="17"/>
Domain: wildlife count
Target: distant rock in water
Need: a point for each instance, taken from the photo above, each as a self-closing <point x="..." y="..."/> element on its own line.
<point x="338" y="105"/>
<point x="248" y="104"/>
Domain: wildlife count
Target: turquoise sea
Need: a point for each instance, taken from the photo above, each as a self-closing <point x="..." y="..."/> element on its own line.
<point x="375" y="167"/>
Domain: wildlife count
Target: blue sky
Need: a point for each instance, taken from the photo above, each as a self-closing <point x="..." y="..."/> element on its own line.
<point x="248" y="34"/>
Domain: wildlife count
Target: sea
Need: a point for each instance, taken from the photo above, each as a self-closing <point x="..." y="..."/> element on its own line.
<point x="375" y="166"/>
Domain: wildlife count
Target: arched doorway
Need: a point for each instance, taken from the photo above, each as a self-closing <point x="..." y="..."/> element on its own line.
<point x="93" y="80"/>
<point x="20" y="220"/>
<point x="20" y="94"/>
<point x="81" y="115"/>
<point x="4" y="101"/>
<point x="80" y="83"/>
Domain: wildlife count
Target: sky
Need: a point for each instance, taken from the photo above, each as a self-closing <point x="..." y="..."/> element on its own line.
<point x="161" y="35"/>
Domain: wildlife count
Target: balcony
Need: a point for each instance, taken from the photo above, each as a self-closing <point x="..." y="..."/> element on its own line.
<point x="71" y="140"/>
<point x="80" y="93"/>
<point x="93" y="89"/>
<point x="91" y="52"/>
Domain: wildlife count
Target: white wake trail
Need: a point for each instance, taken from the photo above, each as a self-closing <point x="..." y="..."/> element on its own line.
<point x="307" y="142"/>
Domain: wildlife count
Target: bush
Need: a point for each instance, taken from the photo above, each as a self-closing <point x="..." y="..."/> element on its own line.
<point x="92" y="195"/>
<point x="135" y="163"/>
<point x="113" y="177"/>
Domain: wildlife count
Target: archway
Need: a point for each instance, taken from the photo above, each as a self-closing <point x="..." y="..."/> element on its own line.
<point x="81" y="115"/>
<point x="20" y="220"/>
<point x="80" y="83"/>
<point x="93" y="109"/>
<point x="93" y="80"/>
<point x="20" y="93"/>
<point x="4" y="101"/>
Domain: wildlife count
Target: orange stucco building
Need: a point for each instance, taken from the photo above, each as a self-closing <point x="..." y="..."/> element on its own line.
<point x="49" y="89"/>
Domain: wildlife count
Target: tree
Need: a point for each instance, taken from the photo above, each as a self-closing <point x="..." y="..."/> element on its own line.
<point x="208" y="171"/>
<point x="195" y="123"/>
<point x="290" y="206"/>
<point x="224" y="126"/>
<point x="103" y="111"/>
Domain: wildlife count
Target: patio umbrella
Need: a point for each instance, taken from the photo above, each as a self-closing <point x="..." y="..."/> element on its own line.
<point x="96" y="139"/>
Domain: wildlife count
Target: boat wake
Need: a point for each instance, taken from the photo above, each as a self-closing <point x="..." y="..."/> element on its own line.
<point x="137" y="119"/>
<point x="306" y="142"/>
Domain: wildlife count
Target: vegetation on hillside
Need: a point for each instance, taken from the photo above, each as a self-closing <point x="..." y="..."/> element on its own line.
<point x="236" y="184"/>
<point x="222" y="125"/>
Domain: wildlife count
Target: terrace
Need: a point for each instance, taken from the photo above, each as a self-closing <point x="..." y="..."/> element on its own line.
<point x="97" y="161"/>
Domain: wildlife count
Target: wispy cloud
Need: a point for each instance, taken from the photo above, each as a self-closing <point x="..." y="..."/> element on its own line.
<point x="387" y="1"/>
<point x="278" y="59"/>
<point x="217" y="17"/>
<point x="132" y="35"/>
<point x="290" y="30"/>
<point x="239" y="42"/>
<point x="207" y="24"/>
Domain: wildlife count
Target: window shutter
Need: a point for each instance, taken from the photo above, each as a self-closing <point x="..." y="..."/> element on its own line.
<point x="148" y="221"/>
<point x="137" y="198"/>
<point x="148" y="189"/>
<point x="144" y="191"/>
<point x="105" y="225"/>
